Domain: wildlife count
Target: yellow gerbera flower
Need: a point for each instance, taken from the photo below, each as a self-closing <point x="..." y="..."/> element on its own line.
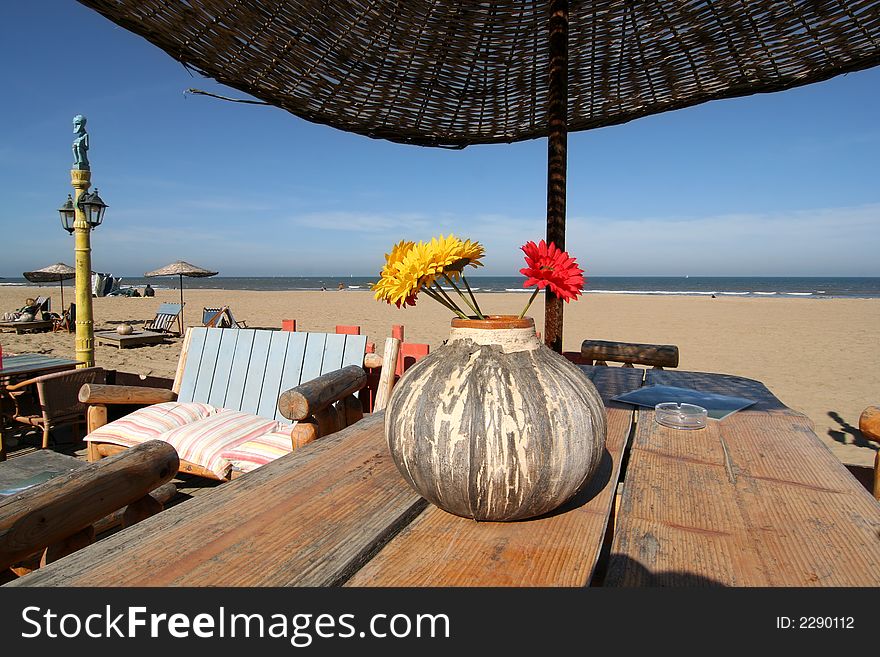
<point x="412" y="266"/>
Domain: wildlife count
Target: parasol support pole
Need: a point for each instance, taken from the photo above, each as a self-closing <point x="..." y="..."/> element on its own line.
<point x="557" y="153"/>
<point x="85" y="331"/>
<point x="180" y="316"/>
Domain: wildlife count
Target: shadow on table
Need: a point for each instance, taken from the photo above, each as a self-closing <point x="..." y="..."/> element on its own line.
<point x="623" y="571"/>
<point x="848" y="434"/>
<point x="593" y="487"/>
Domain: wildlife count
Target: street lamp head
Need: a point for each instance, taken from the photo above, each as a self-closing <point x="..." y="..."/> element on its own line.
<point x="93" y="207"/>
<point x="68" y="215"/>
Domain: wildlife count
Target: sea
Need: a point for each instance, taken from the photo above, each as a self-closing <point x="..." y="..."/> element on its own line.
<point x="746" y="286"/>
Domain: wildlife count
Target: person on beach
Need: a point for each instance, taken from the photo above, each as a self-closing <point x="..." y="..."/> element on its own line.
<point x="27" y="309"/>
<point x="341" y="286"/>
<point x="149" y="291"/>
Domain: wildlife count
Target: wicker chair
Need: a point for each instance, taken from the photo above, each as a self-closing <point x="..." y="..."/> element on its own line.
<point x="53" y="402"/>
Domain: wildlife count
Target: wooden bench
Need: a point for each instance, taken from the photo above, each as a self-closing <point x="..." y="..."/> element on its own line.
<point x="134" y="339"/>
<point x="75" y="501"/>
<point x="248" y="370"/>
<point x="598" y="352"/>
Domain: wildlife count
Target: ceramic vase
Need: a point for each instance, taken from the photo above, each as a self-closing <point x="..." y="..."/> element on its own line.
<point x="494" y="425"/>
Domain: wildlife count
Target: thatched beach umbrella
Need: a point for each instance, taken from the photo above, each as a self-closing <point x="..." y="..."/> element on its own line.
<point x="57" y="272"/>
<point x="451" y="73"/>
<point x="181" y="269"/>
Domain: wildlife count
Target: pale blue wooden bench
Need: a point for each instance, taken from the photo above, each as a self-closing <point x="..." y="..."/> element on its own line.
<point x="248" y="370"/>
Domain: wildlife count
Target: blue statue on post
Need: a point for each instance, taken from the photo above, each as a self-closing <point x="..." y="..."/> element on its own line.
<point x="80" y="143"/>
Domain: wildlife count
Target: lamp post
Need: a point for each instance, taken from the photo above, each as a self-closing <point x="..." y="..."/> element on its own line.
<point x="79" y="215"/>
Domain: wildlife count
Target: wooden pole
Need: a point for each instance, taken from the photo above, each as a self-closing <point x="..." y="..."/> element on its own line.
<point x="180" y="316"/>
<point x="85" y="333"/>
<point x="557" y="146"/>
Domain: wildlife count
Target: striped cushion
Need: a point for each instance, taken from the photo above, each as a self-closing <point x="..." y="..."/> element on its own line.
<point x="261" y="450"/>
<point x="201" y="434"/>
<point x="204" y="441"/>
<point x="150" y="423"/>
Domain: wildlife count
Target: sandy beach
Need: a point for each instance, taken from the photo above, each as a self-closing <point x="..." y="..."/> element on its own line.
<point x="819" y="356"/>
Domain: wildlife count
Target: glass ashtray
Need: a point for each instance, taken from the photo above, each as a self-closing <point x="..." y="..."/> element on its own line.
<point x="680" y="416"/>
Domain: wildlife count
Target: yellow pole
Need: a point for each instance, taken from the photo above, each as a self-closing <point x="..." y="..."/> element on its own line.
<point x="85" y="336"/>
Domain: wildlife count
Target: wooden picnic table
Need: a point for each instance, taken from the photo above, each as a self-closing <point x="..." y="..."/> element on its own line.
<point x="19" y="368"/>
<point x="134" y="339"/>
<point x="25" y="366"/>
<point x="755" y="499"/>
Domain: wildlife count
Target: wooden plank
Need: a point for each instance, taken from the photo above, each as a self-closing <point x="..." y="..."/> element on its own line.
<point x="558" y="549"/>
<point x="191" y="366"/>
<point x="27" y="363"/>
<point x="386" y="377"/>
<point x="334" y="349"/>
<point x="64" y="505"/>
<point x="241" y="359"/>
<point x="310" y="397"/>
<point x="181" y="361"/>
<point x="755" y="499"/>
<point x="314" y="356"/>
<point x="293" y="362"/>
<point x="355" y="348"/>
<point x="309" y="518"/>
<point x="223" y="368"/>
<point x="268" y="405"/>
<point x="99" y="393"/>
<point x="256" y="373"/>
<point x="658" y="355"/>
<point x="136" y="339"/>
<point x="207" y="365"/>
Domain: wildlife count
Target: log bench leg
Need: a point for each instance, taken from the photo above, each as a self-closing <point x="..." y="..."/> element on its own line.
<point x="69" y="545"/>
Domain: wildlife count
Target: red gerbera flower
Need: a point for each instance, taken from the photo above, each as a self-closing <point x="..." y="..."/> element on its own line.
<point x="548" y="265"/>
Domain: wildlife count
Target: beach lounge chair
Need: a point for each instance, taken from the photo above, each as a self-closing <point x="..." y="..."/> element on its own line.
<point x="233" y="393"/>
<point x="166" y="316"/>
<point x="220" y="318"/>
<point x="42" y="320"/>
<point x="54" y="402"/>
<point x="66" y="321"/>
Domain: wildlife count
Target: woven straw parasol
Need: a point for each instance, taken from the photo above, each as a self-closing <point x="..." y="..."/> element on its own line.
<point x="451" y="73"/>
<point x="181" y="269"/>
<point x="57" y="272"/>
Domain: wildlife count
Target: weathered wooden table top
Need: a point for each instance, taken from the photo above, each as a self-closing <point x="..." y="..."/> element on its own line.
<point x="131" y="340"/>
<point x="752" y="500"/>
<point x="25" y="366"/>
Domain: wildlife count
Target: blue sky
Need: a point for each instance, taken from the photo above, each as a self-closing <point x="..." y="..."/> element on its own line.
<point x="768" y="185"/>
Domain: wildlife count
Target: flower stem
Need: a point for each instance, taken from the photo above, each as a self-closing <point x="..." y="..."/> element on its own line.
<point x="436" y="297"/>
<point x="470" y="305"/>
<point x="470" y="292"/>
<point x="447" y="304"/>
<point x="451" y="302"/>
<point x="531" y="298"/>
